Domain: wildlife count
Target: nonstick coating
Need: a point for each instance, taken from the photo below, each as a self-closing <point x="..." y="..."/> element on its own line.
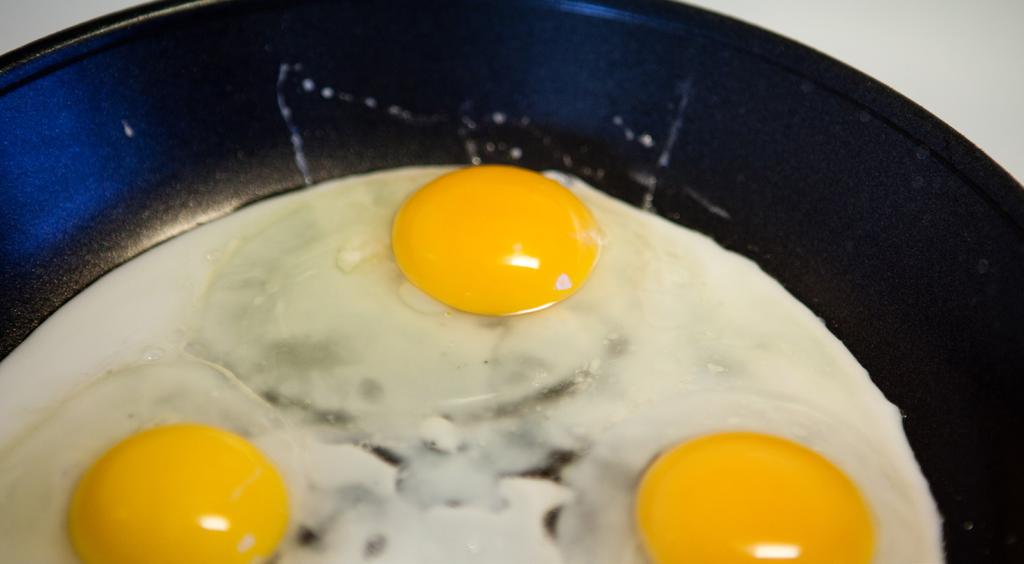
<point x="900" y="234"/>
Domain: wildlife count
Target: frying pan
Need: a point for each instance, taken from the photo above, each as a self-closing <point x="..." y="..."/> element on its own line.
<point x="900" y="234"/>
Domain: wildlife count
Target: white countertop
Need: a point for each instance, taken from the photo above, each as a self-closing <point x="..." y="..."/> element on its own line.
<point x="962" y="60"/>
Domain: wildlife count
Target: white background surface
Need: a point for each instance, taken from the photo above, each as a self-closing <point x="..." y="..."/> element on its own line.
<point x="963" y="60"/>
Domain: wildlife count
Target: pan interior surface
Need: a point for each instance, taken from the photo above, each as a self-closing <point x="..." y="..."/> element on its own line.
<point x="899" y="234"/>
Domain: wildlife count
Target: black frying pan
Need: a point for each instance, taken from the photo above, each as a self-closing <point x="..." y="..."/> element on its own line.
<point x="901" y="234"/>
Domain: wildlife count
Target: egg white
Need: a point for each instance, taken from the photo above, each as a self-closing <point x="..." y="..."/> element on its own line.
<point x="363" y="517"/>
<point x="438" y="436"/>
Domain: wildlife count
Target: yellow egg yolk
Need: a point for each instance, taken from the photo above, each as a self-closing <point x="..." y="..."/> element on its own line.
<point x="742" y="498"/>
<point x="175" y="494"/>
<point x="495" y="240"/>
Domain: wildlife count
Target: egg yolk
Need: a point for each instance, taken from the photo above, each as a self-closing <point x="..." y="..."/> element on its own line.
<point x="495" y="240"/>
<point x="179" y="493"/>
<point x="740" y="498"/>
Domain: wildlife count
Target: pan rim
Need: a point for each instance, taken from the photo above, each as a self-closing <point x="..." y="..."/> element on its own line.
<point x="955" y="152"/>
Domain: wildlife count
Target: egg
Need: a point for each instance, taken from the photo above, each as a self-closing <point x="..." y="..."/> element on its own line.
<point x="742" y="496"/>
<point x="765" y="473"/>
<point x="428" y="395"/>
<point x="495" y="240"/>
<point x="152" y="463"/>
<point x="310" y="309"/>
<point x="174" y="493"/>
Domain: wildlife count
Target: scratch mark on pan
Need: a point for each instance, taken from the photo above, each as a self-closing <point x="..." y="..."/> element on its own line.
<point x="394" y="111"/>
<point x="650" y="181"/>
<point x="650" y="184"/>
<point x="405" y="116"/>
<point x="469" y="144"/>
<point x="643" y="138"/>
<point x="472" y="150"/>
<point x="293" y="130"/>
<point x="685" y="88"/>
<point x="677" y="123"/>
<point x="707" y="204"/>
